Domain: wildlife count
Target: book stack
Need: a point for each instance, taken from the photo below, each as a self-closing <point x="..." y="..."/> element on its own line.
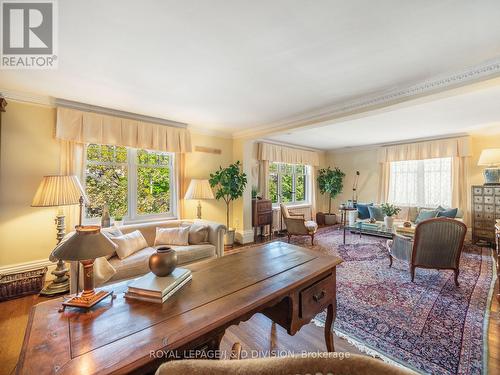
<point x="151" y="288"/>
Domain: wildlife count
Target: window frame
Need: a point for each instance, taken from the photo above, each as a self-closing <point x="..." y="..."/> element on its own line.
<point x="294" y="174"/>
<point x="132" y="166"/>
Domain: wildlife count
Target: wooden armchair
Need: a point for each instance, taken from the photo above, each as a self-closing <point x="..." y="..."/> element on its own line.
<point x="437" y="244"/>
<point x="296" y="225"/>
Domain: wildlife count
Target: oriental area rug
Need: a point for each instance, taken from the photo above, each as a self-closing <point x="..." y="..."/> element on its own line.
<point x="430" y="326"/>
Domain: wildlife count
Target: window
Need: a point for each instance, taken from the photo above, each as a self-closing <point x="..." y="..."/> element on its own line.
<point x="135" y="184"/>
<point x="424" y="183"/>
<point x="288" y="183"/>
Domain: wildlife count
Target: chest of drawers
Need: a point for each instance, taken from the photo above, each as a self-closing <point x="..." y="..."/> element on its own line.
<point x="485" y="210"/>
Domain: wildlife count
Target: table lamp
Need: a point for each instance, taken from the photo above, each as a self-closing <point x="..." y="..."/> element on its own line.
<point x="58" y="191"/>
<point x="490" y="158"/>
<point x="199" y="189"/>
<point x="85" y="245"/>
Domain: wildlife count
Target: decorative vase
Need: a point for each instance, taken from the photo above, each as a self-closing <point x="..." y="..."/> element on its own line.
<point x="389" y="222"/>
<point x="163" y="262"/>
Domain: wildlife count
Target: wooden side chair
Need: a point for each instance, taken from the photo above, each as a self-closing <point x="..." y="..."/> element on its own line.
<point x="437" y="244"/>
<point x="296" y="225"/>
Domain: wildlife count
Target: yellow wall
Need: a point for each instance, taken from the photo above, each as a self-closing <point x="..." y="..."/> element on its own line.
<point x="28" y="152"/>
<point x="365" y="160"/>
<point x="200" y="165"/>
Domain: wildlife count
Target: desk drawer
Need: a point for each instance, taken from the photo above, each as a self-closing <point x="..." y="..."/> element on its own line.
<point x="264" y="219"/>
<point x="316" y="297"/>
<point x="264" y="206"/>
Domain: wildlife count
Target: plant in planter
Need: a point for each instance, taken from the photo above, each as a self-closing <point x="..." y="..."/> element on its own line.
<point x="389" y="210"/>
<point x="229" y="184"/>
<point x="118" y="220"/>
<point x="331" y="182"/>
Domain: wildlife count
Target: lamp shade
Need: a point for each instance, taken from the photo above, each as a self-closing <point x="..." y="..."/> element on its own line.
<point x="58" y="191"/>
<point x="199" y="189"/>
<point x="87" y="242"/>
<point x="489" y="157"/>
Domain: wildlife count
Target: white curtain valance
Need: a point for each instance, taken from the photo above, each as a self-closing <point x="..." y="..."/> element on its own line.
<point x="441" y="148"/>
<point x="88" y="127"/>
<point x="283" y="154"/>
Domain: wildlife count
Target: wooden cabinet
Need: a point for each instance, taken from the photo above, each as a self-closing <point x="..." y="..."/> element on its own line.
<point x="485" y="210"/>
<point x="262" y="214"/>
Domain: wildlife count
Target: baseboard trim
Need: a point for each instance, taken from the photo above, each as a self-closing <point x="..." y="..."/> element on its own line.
<point x="28" y="266"/>
<point x="244" y="236"/>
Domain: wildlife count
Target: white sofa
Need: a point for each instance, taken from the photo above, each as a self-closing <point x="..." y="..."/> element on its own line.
<point x="137" y="264"/>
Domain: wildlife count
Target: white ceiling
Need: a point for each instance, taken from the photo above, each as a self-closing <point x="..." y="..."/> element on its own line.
<point x="465" y="111"/>
<point x="233" y="65"/>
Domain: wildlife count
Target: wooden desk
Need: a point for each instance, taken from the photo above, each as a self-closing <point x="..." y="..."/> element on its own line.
<point x="287" y="283"/>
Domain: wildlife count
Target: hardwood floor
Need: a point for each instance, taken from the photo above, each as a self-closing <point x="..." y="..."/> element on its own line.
<point x="256" y="336"/>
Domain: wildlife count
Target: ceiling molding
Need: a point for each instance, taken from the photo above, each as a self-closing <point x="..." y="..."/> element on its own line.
<point x="27" y="98"/>
<point x="485" y="71"/>
<point x="374" y="146"/>
<point x="286" y="144"/>
<point x="210" y="132"/>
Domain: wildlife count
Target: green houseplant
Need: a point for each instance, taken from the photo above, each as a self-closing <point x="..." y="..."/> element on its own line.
<point x="389" y="210"/>
<point x="331" y="182"/>
<point x="229" y="184"/>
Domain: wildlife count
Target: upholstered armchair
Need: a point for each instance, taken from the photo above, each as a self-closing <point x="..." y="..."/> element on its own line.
<point x="437" y="244"/>
<point x="296" y="225"/>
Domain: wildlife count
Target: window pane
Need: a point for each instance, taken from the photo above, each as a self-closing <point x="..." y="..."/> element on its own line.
<point x="106" y="185"/>
<point x="424" y="183"/>
<point x="147" y="157"/>
<point x="153" y="190"/>
<point x="93" y="152"/>
<point x="300" y="169"/>
<point x="286" y="188"/>
<point x="273" y="188"/>
<point x="273" y="167"/>
<point x="287" y="168"/>
<point x="121" y="154"/>
<point x="300" y="188"/>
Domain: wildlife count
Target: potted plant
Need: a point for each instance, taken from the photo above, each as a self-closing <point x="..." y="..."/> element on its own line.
<point x="331" y="182"/>
<point x="118" y="220"/>
<point x="229" y="184"/>
<point x="389" y="210"/>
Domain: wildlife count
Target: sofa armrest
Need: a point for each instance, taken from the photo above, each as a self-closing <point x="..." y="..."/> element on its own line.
<point x="216" y="234"/>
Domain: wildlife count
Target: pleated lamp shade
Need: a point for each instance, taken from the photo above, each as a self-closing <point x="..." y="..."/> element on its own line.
<point x="199" y="189"/>
<point x="58" y="191"/>
<point x="87" y="242"/>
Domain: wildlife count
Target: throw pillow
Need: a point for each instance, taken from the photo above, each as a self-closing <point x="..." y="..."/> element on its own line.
<point x="425" y="215"/>
<point x="198" y="234"/>
<point x="129" y="243"/>
<point x="363" y="212"/>
<point x="376" y="213"/>
<point x="172" y="236"/>
<point x="111" y="232"/>
<point x="451" y="213"/>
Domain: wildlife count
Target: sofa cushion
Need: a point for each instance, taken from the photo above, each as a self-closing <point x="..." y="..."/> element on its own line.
<point x="111" y="232"/>
<point x="363" y="212"/>
<point x="172" y="236"/>
<point x="136" y="264"/>
<point x="376" y="213"/>
<point x="424" y="214"/>
<point x="412" y="213"/>
<point x="129" y="243"/>
<point x="198" y="234"/>
<point x="191" y="253"/>
<point x="451" y="213"/>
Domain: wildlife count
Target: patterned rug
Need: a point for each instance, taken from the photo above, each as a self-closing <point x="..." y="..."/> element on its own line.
<point x="430" y="325"/>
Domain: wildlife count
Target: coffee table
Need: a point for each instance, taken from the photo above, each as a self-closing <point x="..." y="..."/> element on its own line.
<point x="287" y="283"/>
<point x="380" y="231"/>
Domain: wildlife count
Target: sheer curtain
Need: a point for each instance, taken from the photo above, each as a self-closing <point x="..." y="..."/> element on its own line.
<point x="424" y="183"/>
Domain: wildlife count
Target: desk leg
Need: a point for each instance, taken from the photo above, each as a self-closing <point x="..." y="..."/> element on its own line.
<point x="344" y="234"/>
<point x="330" y="318"/>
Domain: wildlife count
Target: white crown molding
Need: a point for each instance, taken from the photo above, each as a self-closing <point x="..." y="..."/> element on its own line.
<point x="278" y="143"/>
<point x="375" y="146"/>
<point x="485" y="71"/>
<point x="27" y="98"/>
